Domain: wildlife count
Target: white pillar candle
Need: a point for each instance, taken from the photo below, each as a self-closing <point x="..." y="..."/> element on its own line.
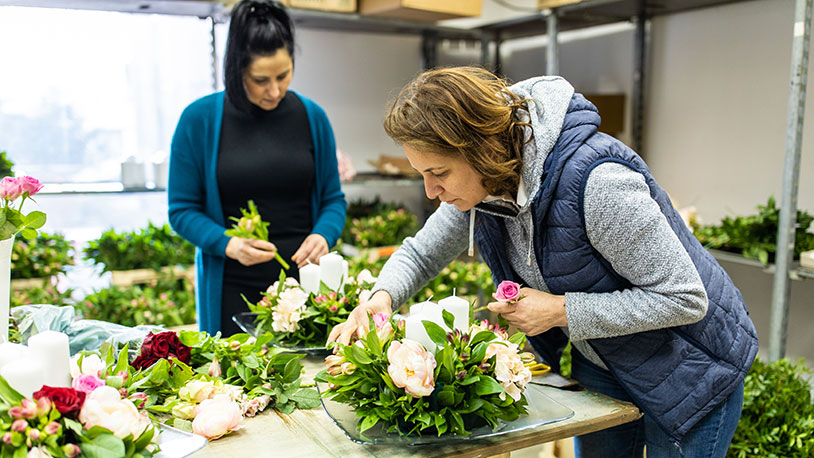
<point x="345" y="267"/>
<point x="330" y="270"/>
<point x="24" y="375"/>
<point x="309" y="278"/>
<point x="459" y="308"/>
<point x="414" y="328"/>
<point x="53" y="351"/>
<point x="11" y="351"/>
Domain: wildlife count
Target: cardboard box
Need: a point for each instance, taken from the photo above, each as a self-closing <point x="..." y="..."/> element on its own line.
<point x="612" y="111"/>
<point x="394" y="166"/>
<point x="545" y="4"/>
<point x="341" y="6"/>
<point x="421" y="10"/>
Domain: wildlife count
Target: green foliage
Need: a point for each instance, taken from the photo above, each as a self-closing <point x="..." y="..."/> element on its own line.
<point x="466" y="393"/>
<point x="755" y="236"/>
<point x="47" y="294"/>
<point x="6" y="166"/>
<point x="151" y="248"/>
<point x="251" y="226"/>
<point x="169" y="302"/>
<point x="466" y="278"/>
<point x="565" y="361"/>
<point x="44" y="256"/>
<point x="778" y="416"/>
<point x="370" y="224"/>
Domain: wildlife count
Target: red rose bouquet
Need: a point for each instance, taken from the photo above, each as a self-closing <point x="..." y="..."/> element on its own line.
<point x="164" y="345"/>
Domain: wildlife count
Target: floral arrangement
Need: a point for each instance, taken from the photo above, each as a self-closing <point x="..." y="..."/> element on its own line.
<point x="12" y="220"/>
<point x="250" y="226"/>
<point x="168" y="302"/>
<point x="152" y="247"/>
<point x="297" y="318"/>
<point x="198" y="382"/>
<point x="43" y="256"/>
<point x="48" y="294"/>
<point x="474" y="378"/>
<point x="66" y="422"/>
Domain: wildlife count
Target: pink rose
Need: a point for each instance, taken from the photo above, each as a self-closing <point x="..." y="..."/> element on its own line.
<point x="411" y="367"/>
<point x="30" y="185"/>
<point x="217" y="416"/>
<point x="10" y="188"/>
<point x="87" y="383"/>
<point x="507" y="291"/>
<point x="104" y="407"/>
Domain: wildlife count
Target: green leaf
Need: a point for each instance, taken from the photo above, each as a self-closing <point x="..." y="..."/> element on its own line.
<point x="446" y="398"/>
<point x="34" y="220"/>
<point x="479" y="352"/>
<point x="103" y="446"/>
<point x="518" y="339"/>
<point x="28" y="233"/>
<point x="435" y="332"/>
<point x="245" y="373"/>
<point x="306" y="398"/>
<point x="145" y="438"/>
<point x="487" y="385"/>
<point x="449" y="319"/>
<point x="368" y="422"/>
<point x="483" y="336"/>
<point x="292" y="370"/>
<point x="8" y="394"/>
<point x="358" y="356"/>
<point x="122" y="363"/>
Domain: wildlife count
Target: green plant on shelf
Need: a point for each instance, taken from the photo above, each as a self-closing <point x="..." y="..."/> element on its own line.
<point x="778" y="415"/>
<point x="44" y="256"/>
<point x="466" y="278"/>
<point x="755" y="236"/>
<point x="47" y="294"/>
<point x="168" y="302"/>
<point x="6" y="165"/>
<point x="384" y="229"/>
<point x="153" y="247"/>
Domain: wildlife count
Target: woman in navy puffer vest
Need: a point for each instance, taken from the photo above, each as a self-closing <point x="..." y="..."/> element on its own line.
<point x="577" y="217"/>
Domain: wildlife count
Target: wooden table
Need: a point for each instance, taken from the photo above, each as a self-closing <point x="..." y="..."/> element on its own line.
<point x="312" y="434"/>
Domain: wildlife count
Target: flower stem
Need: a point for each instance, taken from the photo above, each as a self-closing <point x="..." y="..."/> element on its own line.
<point x="280" y="260"/>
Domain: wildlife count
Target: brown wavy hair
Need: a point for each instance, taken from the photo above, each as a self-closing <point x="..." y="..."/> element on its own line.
<point x="464" y="111"/>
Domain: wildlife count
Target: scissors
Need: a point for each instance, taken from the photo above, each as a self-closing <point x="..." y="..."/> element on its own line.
<point x="537" y="368"/>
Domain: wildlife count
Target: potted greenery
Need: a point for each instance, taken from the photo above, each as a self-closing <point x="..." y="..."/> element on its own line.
<point x="34" y="261"/>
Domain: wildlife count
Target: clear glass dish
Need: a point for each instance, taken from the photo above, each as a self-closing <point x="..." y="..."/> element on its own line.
<point x="175" y="443"/>
<point x="542" y="410"/>
<point x="245" y="321"/>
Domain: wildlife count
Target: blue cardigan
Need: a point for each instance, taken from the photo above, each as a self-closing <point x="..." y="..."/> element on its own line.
<point x="195" y="210"/>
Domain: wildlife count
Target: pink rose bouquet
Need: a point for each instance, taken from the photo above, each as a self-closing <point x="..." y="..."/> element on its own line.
<point x="474" y="378"/>
<point x="507" y="291"/>
<point x="22" y="188"/>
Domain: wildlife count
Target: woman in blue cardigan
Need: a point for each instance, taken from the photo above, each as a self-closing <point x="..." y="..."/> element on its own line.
<point x="255" y="141"/>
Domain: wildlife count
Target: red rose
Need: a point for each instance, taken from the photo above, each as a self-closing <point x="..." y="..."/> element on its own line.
<point x="143" y="362"/>
<point x="162" y="345"/>
<point x="183" y="353"/>
<point x="68" y="401"/>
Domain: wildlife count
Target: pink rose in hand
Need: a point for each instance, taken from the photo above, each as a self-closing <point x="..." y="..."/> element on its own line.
<point x="10" y="188"/>
<point x="30" y="185"/>
<point x="87" y="383"/>
<point x="411" y="367"/>
<point x="507" y="291"/>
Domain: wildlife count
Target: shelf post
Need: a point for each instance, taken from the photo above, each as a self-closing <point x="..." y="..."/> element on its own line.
<point x="791" y="173"/>
<point x="553" y="48"/>
<point x="640" y="53"/>
<point x="213" y="50"/>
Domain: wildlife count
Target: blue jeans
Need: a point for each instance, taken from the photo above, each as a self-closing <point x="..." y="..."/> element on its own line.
<point x="709" y="438"/>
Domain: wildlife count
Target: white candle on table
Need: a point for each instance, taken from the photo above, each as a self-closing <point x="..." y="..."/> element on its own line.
<point x="11" y="351"/>
<point x="345" y="267"/>
<point x="459" y="308"/>
<point x="330" y="266"/>
<point x="53" y="351"/>
<point x="24" y="375"/>
<point x="309" y="278"/>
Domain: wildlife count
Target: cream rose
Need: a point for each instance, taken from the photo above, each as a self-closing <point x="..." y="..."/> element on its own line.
<point x="510" y="371"/>
<point x="104" y="407"/>
<point x="217" y="417"/>
<point x="91" y="365"/>
<point x="411" y="367"/>
<point x="196" y="391"/>
<point x="289" y="309"/>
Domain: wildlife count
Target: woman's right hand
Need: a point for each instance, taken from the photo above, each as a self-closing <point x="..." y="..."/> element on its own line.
<point x="359" y="318"/>
<point x="250" y="251"/>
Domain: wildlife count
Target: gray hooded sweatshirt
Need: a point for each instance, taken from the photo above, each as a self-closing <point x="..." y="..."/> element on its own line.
<point x="623" y="223"/>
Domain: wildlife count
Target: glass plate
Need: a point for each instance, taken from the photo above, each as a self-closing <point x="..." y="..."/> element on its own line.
<point x="175" y="443"/>
<point x="245" y="321"/>
<point x="542" y="410"/>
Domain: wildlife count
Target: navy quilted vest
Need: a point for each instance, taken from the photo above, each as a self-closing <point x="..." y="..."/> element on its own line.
<point x="675" y="375"/>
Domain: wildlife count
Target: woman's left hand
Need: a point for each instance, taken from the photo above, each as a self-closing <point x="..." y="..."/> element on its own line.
<point x="535" y="313"/>
<point x="312" y="248"/>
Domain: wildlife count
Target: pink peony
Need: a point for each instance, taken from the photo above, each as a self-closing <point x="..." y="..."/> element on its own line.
<point x="411" y="367"/>
<point x="10" y="188"/>
<point x="30" y="185"/>
<point x="217" y="416"/>
<point x="507" y="291"/>
<point x="104" y="407"/>
<point x="87" y="383"/>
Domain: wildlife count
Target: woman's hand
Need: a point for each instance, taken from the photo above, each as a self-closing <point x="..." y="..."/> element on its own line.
<point x="535" y="313"/>
<point x="312" y="248"/>
<point x="359" y="318"/>
<point x="250" y="251"/>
